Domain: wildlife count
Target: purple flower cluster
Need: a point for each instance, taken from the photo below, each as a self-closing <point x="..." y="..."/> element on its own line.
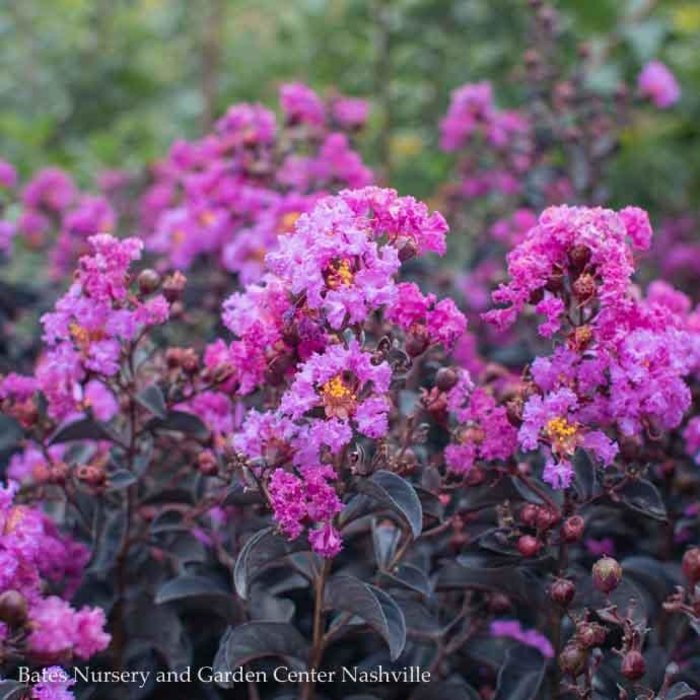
<point x="622" y="363"/>
<point x="231" y="195"/>
<point x="33" y="554"/>
<point x="86" y="332"/>
<point x="302" y="327"/>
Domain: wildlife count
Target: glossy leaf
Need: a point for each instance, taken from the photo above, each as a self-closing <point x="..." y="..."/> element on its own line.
<point x="520" y="677"/>
<point x="370" y="604"/>
<point x="255" y="640"/>
<point x="151" y="398"/>
<point x="396" y="494"/>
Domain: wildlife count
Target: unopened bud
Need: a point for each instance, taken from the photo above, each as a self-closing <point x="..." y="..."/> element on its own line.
<point x="446" y="378"/>
<point x="13" y="608"/>
<point x="691" y="565"/>
<point x="572" y="528"/>
<point x="633" y="665"/>
<point x="206" y="463"/>
<point x="529" y="546"/>
<point x="584" y="287"/>
<point x="417" y="343"/>
<point x="148" y="281"/>
<point x="562" y="591"/>
<point x="607" y="574"/>
<point x="174" y="285"/>
<point x="572" y="660"/>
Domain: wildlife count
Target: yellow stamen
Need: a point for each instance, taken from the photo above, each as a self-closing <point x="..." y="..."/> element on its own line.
<point x="82" y="336"/>
<point x="338" y="398"/>
<point x="562" y="433"/>
<point x="335" y="388"/>
<point x="339" y="274"/>
<point x="288" y="220"/>
<point x="207" y="218"/>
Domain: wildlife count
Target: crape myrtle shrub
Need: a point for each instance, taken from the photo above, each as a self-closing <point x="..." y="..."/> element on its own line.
<point x="269" y="429"/>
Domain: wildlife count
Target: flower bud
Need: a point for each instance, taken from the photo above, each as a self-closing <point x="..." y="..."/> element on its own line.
<point x="572" y="528"/>
<point x="58" y="473"/>
<point x="607" y="574"/>
<point x="590" y="634"/>
<point x="514" y="411"/>
<point x="407" y="251"/>
<point x="562" y="591"/>
<point x="555" y="283"/>
<point x="579" y="257"/>
<point x="529" y="546"/>
<point x="206" y="463"/>
<point x="546" y="518"/>
<point x="528" y="514"/>
<point x="446" y="378"/>
<point x="633" y="665"/>
<point x="417" y="343"/>
<point x="691" y="565"/>
<point x="572" y="660"/>
<point x="13" y="608"/>
<point x="584" y="287"/>
<point x="148" y="281"/>
<point x="174" y="285"/>
<point x="91" y="474"/>
<point x="499" y="603"/>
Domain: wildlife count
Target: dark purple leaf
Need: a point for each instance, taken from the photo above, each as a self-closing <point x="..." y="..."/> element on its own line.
<point x="372" y="605"/>
<point x="255" y="640"/>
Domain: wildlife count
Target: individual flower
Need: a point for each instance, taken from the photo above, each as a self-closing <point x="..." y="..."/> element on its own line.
<point x="531" y="638"/>
<point x="55" y="686"/>
<point x="301" y="104"/>
<point x="657" y="83"/>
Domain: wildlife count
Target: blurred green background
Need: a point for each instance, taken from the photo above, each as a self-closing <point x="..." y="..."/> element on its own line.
<point x="89" y="84"/>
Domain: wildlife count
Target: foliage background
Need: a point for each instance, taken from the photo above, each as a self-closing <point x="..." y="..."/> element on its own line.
<point x="89" y="84"/>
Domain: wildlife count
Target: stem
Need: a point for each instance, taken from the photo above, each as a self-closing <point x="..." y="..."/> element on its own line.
<point x="309" y="688"/>
<point x="382" y="47"/>
<point x="211" y="60"/>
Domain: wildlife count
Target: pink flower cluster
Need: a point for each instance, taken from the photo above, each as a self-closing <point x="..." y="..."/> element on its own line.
<point x="301" y="328"/>
<point x="658" y="84"/>
<point x="33" y="554"/>
<point x="501" y="138"/>
<point x="50" y="203"/>
<point x="231" y="195"/>
<point x="86" y="332"/>
<point x="622" y="365"/>
<point x="484" y="432"/>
